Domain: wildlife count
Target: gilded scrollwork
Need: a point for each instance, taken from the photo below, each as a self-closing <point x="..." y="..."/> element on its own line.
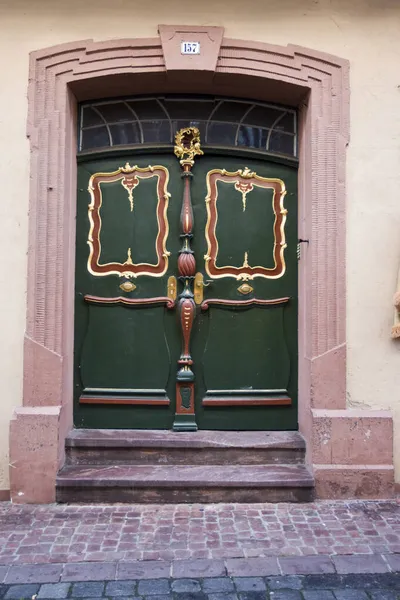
<point x="130" y="178"/>
<point x="245" y="181"/>
<point x="187" y="145"/>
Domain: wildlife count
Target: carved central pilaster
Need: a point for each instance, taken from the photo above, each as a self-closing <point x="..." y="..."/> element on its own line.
<point x="187" y="146"/>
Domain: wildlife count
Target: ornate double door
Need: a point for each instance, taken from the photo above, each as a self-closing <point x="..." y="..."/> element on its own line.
<point x="186" y="293"/>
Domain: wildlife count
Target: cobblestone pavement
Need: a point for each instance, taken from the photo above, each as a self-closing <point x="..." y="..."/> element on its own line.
<point x="75" y="533"/>
<point x="311" y="587"/>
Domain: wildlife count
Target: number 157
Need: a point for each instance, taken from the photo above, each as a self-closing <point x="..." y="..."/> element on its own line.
<point x="190" y="48"/>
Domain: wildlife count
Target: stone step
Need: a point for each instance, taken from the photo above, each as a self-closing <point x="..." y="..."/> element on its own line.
<point x="184" y="483"/>
<point x="158" y="447"/>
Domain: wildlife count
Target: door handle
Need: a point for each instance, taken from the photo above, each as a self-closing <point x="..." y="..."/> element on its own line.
<point x="199" y="285"/>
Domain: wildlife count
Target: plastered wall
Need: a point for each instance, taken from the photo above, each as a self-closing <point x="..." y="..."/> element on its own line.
<point x="367" y="32"/>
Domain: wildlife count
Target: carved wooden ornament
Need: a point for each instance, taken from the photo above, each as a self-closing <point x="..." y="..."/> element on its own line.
<point x="244" y="182"/>
<point x="130" y="178"/>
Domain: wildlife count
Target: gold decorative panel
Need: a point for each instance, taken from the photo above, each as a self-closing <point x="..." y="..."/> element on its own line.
<point x="244" y="181"/>
<point x="130" y="178"/>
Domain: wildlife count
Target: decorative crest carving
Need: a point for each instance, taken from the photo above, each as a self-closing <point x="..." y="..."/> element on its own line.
<point x="187" y="145"/>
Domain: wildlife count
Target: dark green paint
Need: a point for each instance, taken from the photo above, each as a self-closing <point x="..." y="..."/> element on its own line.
<point x="137" y="348"/>
<point x="241" y="349"/>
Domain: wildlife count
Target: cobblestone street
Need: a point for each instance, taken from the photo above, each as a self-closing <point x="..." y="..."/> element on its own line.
<point x="320" y="551"/>
<point x="75" y="533"/>
<point x="311" y="587"/>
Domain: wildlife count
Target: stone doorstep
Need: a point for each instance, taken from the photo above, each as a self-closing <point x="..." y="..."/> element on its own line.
<point x="200" y="568"/>
<point x="147" y="438"/>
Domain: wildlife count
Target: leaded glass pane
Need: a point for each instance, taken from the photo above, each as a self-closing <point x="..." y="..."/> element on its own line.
<point x="253" y="137"/>
<point x="222" y="123"/>
<point x="148" y="109"/>
<point x="113" y="113"/>
<point x="230" y="111"/>
<point x="223" y="134"/>
<point x="156" y="131"/>
<point x="263" y="116"/>
<point x="90" y="117"/>
<point x="281" y="142"/>
<point x="189" y="109"/>
<point x="125" y="133"/>
<point x="96" y="137"/>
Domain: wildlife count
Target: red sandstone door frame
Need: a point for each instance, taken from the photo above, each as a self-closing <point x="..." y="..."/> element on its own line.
<point x="63" y="75"/>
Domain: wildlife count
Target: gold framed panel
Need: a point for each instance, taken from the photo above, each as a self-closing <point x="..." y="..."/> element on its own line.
<point x="244" y="182"/>
<point x="130" y="178"/>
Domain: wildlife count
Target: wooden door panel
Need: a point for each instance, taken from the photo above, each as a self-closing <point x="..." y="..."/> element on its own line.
<point x="246" y="350"/>
<point x="245" y="338"/>
<point x="116" y="353"/>
<point x="126" y="340"/>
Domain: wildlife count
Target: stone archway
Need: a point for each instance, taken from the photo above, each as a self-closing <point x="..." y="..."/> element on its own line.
<point x="318" y="84"/>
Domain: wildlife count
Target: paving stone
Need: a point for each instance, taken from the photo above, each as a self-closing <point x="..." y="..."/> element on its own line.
<point x="87" y="589"/>
<point x="350" y="595"/>
<point x="249" y="584"/>
<point x="90" y="571"/>
<point x="286" y="595"/>
<point x="306" y="565"/>
<point x="3" y="573"/>
<point x="225" y="596"/>
<point x="120" y="588"/>
<point x="158" y="597"/>
<point x="54" y="590"/>
<point x="393" y="561"/>
<point x="92" y="598"/>
<point x="152" y="587"/>
<point x="318" y="595"/>
<point x="128" y="597"/>
<point x="149" y="569"/>
<point x="186" y="585"/>
<point x="198" y="568"/>
<point x="217" y="585"/>
<point x="285" y="582"/>
<point x="34" y="574"/>
<point x="3" y="589"/>
<point x="252" y="595"/>
<point x="360" y="564"/>
<point x="383" y="595"/>
<point x="368" y="581"/>
<point x="252" y="567"/>
<point x="20" y="592"/>
<point x="324" y="582"/>
<point x="191" y="596"/>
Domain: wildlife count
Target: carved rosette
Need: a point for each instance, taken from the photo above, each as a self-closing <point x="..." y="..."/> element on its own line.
<point x="187" y="146"/>
<point x="130" y="178"/>
<point x="245" y="181"/>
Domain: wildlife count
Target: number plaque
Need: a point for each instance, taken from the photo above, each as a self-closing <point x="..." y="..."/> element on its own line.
<point x="190" y="47"/>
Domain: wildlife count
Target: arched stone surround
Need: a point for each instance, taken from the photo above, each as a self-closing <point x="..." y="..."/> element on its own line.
<point x="345" y="460"/>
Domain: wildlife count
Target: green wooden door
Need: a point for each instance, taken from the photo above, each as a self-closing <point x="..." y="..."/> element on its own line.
<point x="127" y="325"/>
<point x="245" y="335"/>
<point x="126" y="338"/>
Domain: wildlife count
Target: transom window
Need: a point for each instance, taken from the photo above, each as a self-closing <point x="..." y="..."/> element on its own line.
<point x="222" y="122"/>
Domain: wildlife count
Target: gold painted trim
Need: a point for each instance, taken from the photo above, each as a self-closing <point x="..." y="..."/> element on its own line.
<point x="130" y="271"/>
<point x="237" y="176"/>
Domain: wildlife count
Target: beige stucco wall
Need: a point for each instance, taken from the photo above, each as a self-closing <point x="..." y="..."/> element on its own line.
<point x="367" y="32"/>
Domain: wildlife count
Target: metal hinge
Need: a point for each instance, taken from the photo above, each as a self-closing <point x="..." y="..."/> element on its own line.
<point x="300" y="241"/>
